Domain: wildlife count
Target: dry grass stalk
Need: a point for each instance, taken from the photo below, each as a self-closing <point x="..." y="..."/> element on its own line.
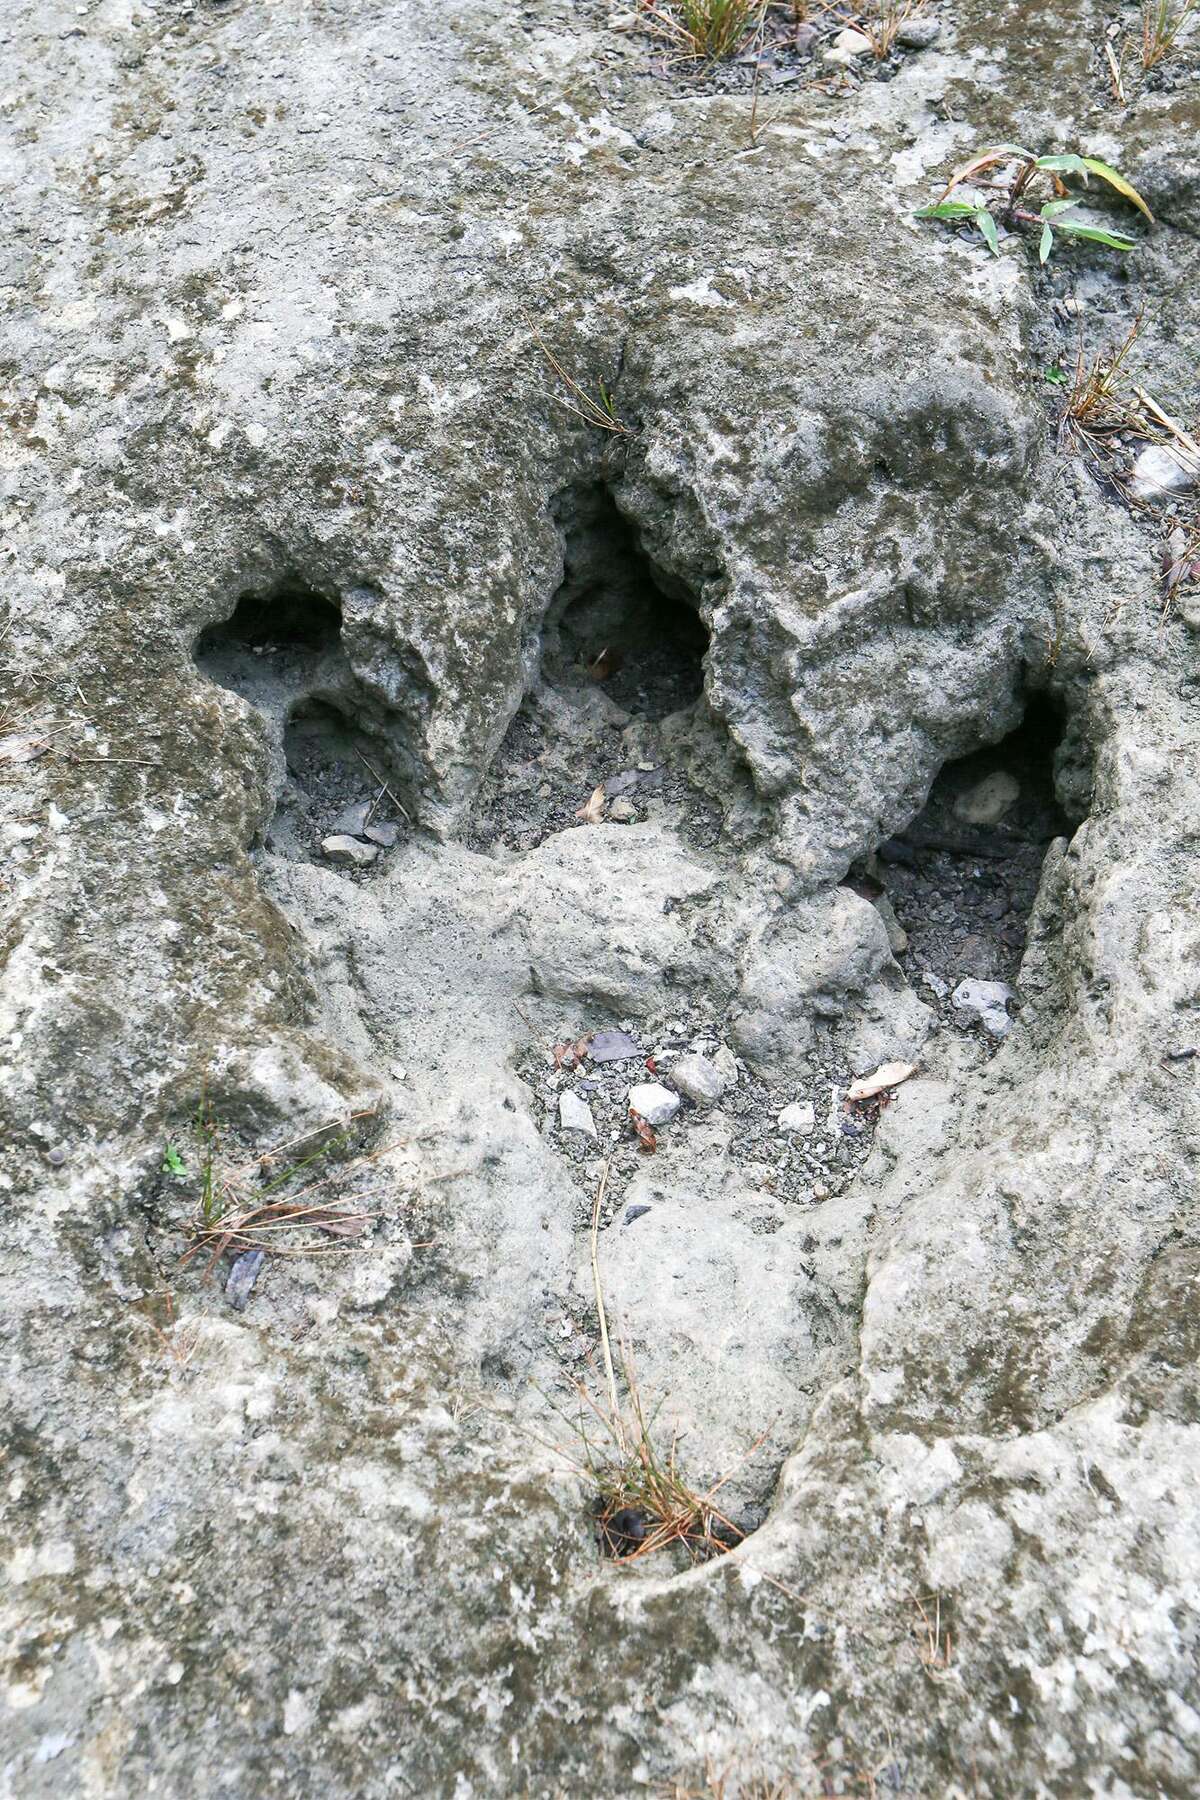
<point x="1114" y="70"/>
<point x="728" y="1783"/>
<point x="1187" y="442"/>
<point x="1095" y="405"/>
<point x="609" y="1372"/>
<point x="1162" y="22"/>
<point x="178" y="1346"/>
<point x="643" y="1502"/>
<point x="935" y="1645"/>
<point x="239" y="1208"/>
<point x="881" y="20"/>
<point x="383" y="789"/>
<point x="600" y="413"/>
<point x="704" y="30"/>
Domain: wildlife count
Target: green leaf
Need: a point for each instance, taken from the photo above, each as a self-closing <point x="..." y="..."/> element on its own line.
<point x="1069" y="162"/>
<point x="1114" y="180"/>
<point x="1046" y="245"/>
<point x="987" y="225"/>
<point x="1054" y="374"/>
<point x="947" y="209"/>
<point x="173" y="1163"/>
<point x="1052" y="208"/>
<point x="1094" y="235"/>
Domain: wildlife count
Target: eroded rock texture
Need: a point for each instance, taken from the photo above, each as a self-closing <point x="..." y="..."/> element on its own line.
<point x="305" y="534"/>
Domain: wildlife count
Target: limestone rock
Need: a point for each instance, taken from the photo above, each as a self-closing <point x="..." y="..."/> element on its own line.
<point x="986" y="1001"/>
<point x="697" y="1079"/>
<point x="349" y="850"/>
<point x="1159" y="472"/>
<point x="989" y="800"/>
<point x="574" y="1114"/>
<point x="847" y="47"/>
<point x="800" y="1118"/>
<point x="919" y="32"/>
<point x="653" y="1102"/>
<point x="289" y="481"/>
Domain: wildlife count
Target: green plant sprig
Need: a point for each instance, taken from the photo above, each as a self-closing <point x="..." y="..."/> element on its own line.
<point x="1015" y="203"/>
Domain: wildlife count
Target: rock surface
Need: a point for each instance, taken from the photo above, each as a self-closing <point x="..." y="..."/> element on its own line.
<point x="295" y="506"/>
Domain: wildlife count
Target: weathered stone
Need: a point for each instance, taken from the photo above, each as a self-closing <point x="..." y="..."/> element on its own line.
<point x="800" y="1118"/>
<point x="1159" y="472"/>
<point x="697" y="1080"/>
<point x="349" y="850"/>
<point x="352" y="820"/>
<point x="897" y="937"/>
<point x="574" y="1114"/>
<point x="919" y="32"/>
<point x="989" y="800"/>
<point x="653" y="1102"/>
<point x="242" y="1278"/>
<point x="847" y="47"/>
<point x="986" y="1001"/>
<point x="612" y="1046"/>
<point x="386" y="833"/>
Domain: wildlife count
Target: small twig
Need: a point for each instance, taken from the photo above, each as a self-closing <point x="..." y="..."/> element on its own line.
<point x="383" y="784"/>
<point x="592" y="412"/>
<point x="374" y="804"/>
<point x="1168" y="423"/>
<point x="1115" y="68"/>
<point x="609" y="1371"/>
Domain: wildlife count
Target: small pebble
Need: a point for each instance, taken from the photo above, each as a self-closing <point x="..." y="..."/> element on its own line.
<point x="655" y="1103"/>
<point x="622" y="811"/>
<point x="987" y="802"/>
<point x="800" y="1117"/>
<point x="697" y="1080"/>
<point x="575" y="1114"/>
<point x="919" y="33"/>
<point x="349" y="850"/>
<point x="1158" y="473"/>
<point x="612" y="1046"/>
<point x="242" y="1277"/>
<point x="384" y="834"/>
<point x="847" y="47"/>
<point x="986" y="1001"/>
<point x="725" y="1063"/>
